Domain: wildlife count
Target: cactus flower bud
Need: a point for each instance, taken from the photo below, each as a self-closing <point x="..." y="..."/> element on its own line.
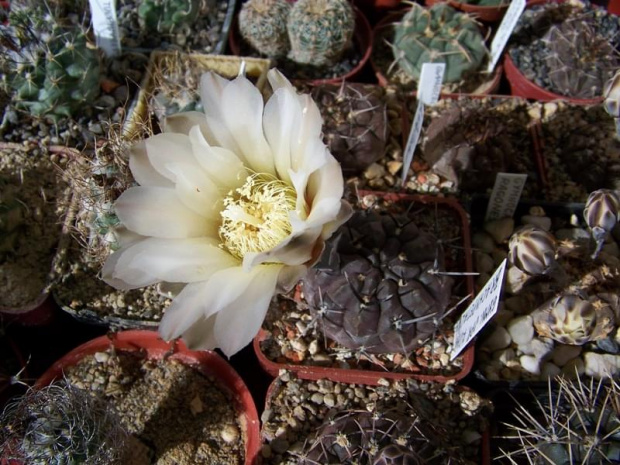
<point x="532" y="250"/>
<point x="601" y="213"/>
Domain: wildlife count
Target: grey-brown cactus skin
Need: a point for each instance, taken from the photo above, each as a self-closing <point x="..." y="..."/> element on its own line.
<point x="602" y="213"/>
<point x="375" y="287"/>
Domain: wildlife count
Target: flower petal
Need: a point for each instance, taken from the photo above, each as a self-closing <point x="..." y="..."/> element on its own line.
<point x="236" y="325"/>
<point x="197" y="191"/>
<point x="170" y="260"/>
<point x="182" y="123"/>
<point x="201" y="334"/>
<point x="139" y="278"/>
<point x="294" y="250"/>
<point x="220" y="164"/>
<point x="325" y="188"/>
<point x="277" y="80"/>
<point x="166" y="148"/>
<point x="307" y="139"/>
<point x="158" y="212"/>
<point x="142" y="169"/>
<point x="242" y="112"/>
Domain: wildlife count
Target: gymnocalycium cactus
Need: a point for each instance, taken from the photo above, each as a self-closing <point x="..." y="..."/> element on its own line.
<point x="602" y="213"/>
<point x="320" y="31"/>
<point x="262" y="23"/>
<point x="376" y="287"/>
<point x="167" y="16"/>
<point x="438" y="34"/>
<point x="59" y="425"/>
<point x="53" y="71"/>
<point x="576" y="422"/>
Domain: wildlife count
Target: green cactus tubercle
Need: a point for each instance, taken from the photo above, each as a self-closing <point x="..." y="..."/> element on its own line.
<point x="167" y="15"/>
<point x="320" y="31"/>
<point x="262" y="23"/>
<point x="438" y="34"/>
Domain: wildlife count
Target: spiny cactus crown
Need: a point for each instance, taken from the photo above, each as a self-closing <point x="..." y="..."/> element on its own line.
<point x="59" y="425"/>
<point x="54" y="70"/>
<point x="262" y="23"/>
<point x="320" y="31"/>
<point x="574" y="70"/>
<point x="167" y="16"/>
<point x="438" y="34"/>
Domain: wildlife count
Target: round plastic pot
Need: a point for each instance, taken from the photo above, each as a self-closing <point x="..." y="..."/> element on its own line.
<point x="487" y="14"/>
<point x="488" y="87"/>
<point x="374" y="377"/>
<point x="362" y="37"/>
<point x="207" y="362"/>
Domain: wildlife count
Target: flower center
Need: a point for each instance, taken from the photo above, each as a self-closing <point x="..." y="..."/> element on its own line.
<point x="256" y="215"/>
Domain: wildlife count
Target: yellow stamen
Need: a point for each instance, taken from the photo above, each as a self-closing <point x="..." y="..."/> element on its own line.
<point x="256" y="215"/>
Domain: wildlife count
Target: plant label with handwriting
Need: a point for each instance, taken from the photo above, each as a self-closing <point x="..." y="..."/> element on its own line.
<point x="105" y="25"/>
<point x="479" y="312"/>
<point x="429" y="89"/>
<point x="505" y="31"/>
<point x="505" y="196"/>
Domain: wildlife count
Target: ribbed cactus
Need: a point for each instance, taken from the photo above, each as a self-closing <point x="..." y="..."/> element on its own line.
<point x="383" y="437"/>
<point x="262" y="23"/>
<point x="320" y="31"/>
<point x="575" y="70"/>
<point x="438" y="34"/>
<point x="577" y="422"/>
<point x="376" y="287"/>
<point x="354" y="123"/>
<point x="61" y="425"/>
<point x="167" y="16"/>
<point x="602" y="213"/>
<point x="54" y="70"/>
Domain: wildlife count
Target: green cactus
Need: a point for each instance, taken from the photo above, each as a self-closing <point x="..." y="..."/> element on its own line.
<point x="262" y="23"/>
<point x="574" y="70"/>
<point x="577" y="422"/>
<point x="53" y="71"/>
<point x="61" y="425"/>
<point x="438" y="34"/>
<point x="167" y="16"/>
<point x="377" y="286"/>
<point x="320" y="31"/>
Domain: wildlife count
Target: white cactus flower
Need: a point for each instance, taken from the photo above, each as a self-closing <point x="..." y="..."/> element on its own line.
<point x="233" y="204"/>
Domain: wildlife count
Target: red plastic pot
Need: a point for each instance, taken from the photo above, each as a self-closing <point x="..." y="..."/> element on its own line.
<point x="488" y="87"/>
<point x="371" y="377"/>
<point x="207" y="362"/>
<point x="487" y="14"/>
<point x="362" y="37"/>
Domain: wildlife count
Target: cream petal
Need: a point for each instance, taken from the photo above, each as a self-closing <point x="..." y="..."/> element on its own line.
<point x="134" y="280"/>
<point x="307" y="139"/>
<point x="212" y="87"/>
<point x="295" y="250"/>
<point x="277" y="80"/>
<point x="290" y="276"/>
<point x="299" y="180"/>
<point x="343" y="216"/>
<point x="174" y="260"/>
<point x="158" y="212"/>
<point x="242" y="112"/>
<point x="236" y="325"/>
<point x="201" y="335"/>
<point x="216" y="133"/>
<point x="162" y="149"/>
<point x="142" y="170"/>
<point x="197" y="191"/>
<point x="325" y="188"/>
<point x="182" y="123"/>
<point x="281" y="121"/>
<point x="222" y="166"/>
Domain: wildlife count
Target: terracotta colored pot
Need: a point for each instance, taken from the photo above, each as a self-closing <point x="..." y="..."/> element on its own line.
<point x="490" y="86"/>
<point x="362" y="37"/>
<point x="487" y="14"/>
<point x="372" y="377"/>
<point x="207" y="362"/>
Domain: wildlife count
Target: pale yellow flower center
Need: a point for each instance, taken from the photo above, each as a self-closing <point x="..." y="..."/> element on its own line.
<point x="256" y="215"/>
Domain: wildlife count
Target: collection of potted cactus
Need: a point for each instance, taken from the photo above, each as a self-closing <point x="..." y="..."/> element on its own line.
<point x="235" y="178"/>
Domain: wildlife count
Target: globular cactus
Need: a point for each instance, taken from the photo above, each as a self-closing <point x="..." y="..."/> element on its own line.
<point x="602" y="213"/>
<point x="574" y="70"/>
<point x="262" y="23"/>
<point x="571" y="318"/>
<point x="438" y="34"/>
<point x="320" y="31"/>
<point x="577" y="422"/>
<point x="355" y="124"/>
<point x="378" y="286"/>
<point x="383" y="437"/>
<point x="532" y="250"/>
<point x="61" y="425"/>
<point x="167" y="16"/>
<point x="611" y="92"/>
<point x="54" y="69"/>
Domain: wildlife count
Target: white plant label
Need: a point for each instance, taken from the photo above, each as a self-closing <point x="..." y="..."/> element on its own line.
<point x="505" y="196"/>
<point x="429" y="89"/>
<point x="431" y="79"/>
<point x="105" y="24"/>
<point x="479" y="312"/>
<point x="513" y="13"/>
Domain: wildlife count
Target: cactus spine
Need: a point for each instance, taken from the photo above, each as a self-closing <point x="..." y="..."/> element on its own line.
<point x="320" y="31"/>
<point x="262" y="23"/>
<point x="438" y="34"/>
